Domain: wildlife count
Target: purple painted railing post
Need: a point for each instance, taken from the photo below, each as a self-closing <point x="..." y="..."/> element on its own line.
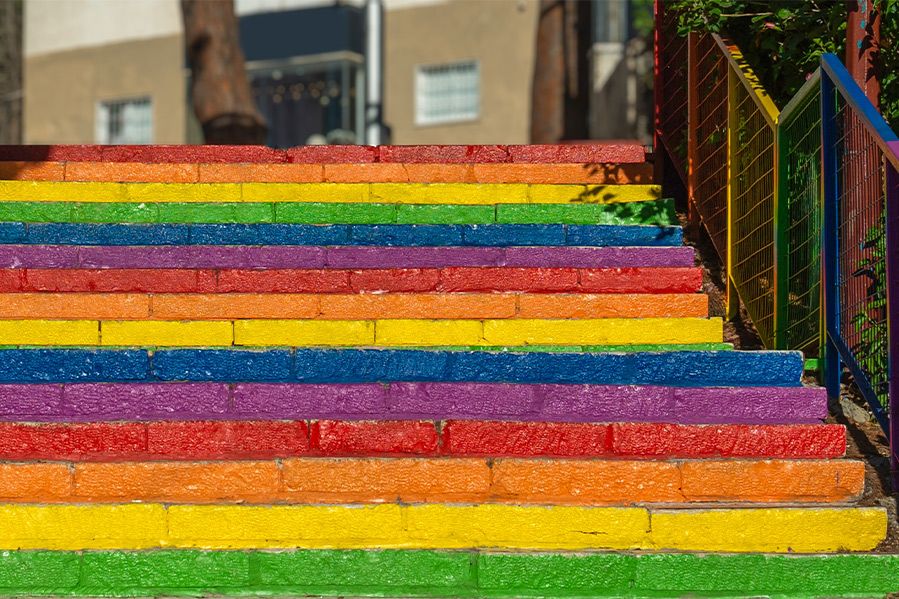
<point x="892" y="274"/>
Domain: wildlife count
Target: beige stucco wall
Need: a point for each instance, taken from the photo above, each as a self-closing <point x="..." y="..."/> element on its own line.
<point x="63" y="88"/>
<point x="500" y="34"/>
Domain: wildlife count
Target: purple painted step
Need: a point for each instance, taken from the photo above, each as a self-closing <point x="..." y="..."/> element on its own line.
<point x="206" y="256"/>
<point x="567" y="403"/>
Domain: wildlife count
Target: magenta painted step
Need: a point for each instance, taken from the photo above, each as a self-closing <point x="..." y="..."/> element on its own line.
<point x="225" y="256"/>
<point x="549" y="153"/>
<point x="82" y="402"/>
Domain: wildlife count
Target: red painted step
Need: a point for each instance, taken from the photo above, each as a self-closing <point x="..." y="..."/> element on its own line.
<point x="200" y="440"/>
<point x="572" y="153"/>
<point x="584" y="280"/>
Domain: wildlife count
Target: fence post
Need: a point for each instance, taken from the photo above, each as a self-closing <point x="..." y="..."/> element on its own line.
<point x="830" y="290"/>
<point x="892" y="289"/>
<point x="781" y="254"/>
<point x="692" y="128"/>
<point x="733" y="299"/>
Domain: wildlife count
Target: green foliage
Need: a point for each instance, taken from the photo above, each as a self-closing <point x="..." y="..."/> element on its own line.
<point x="887" y="62"/>
<point x="782" y="39"/>
<point x="870" y="323"/>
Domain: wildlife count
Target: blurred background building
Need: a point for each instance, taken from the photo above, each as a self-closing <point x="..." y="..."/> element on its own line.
<point x="455" y="71"/>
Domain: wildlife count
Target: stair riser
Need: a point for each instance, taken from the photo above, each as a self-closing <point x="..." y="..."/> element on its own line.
<point x="382" y="235"/>
<point x="139" y="526"/>
<point x="685" y="369"/>
<point x="443" y="574"/>
<point x="124" y="306"/>
<point x="387" y="193"/>
<point x="278" y="439"/>
<point x="384" y="172"/>
<point x="411" y="401"/>
<point x="588" y="154"/>
<point x="402" y="480"/>
<point x="446" y="280"/>
<point x="655" y="212"/>
<point x="359" y="333"/>
<point x="315" y="257"/>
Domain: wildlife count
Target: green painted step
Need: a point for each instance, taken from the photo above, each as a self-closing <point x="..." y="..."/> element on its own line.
<point x="656" y="212"/>
<point x="444" y="574"/>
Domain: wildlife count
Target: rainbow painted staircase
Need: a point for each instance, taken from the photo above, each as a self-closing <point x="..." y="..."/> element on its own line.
<point x="442" y="371"/>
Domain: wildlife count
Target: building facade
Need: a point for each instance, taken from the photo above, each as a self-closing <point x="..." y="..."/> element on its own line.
<point x="455" y="71"/>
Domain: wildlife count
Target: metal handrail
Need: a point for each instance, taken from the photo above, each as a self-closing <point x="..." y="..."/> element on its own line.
<point x="808" y="88"/>
<point x="747" y="77"/>
<point x="868" y="115"/>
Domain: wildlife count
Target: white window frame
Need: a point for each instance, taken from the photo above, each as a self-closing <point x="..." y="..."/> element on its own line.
<point x="422" y="72"/>
<point x="101" y="119"/>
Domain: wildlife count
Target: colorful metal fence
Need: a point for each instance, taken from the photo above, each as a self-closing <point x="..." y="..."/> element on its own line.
<point x="798" y="243"/>
<point x="751" y="192"/>
<point x="803" y="209"/>
<point x="861" y="244"/>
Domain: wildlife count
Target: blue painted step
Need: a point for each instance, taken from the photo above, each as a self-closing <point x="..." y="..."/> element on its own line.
<point x="682" y="369"/>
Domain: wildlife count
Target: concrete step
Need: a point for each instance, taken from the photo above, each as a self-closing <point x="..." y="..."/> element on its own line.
<point x="266" y="439"/>
<point x="682" y="368"/>
<point x="496" y="235"/>
<point x="439" y="526"/>
<point x="352" y="257"/>
<point x="338" y="172"/>
<point x="421" y="154"/>
<point x="360" y="333"/>
<point x="336" y="280"/>
<point x="455" y="574"/>
<point x="376" y="193"/>
<point x="358" y="306"/>
<point x="441" y="480"/>
<point x="652" y="212"/>
<point x="80" y="402"/>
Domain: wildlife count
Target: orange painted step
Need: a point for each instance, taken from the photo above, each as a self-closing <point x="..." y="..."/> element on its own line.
<point x="189" y="306"/>
<point x="468" y="480"/>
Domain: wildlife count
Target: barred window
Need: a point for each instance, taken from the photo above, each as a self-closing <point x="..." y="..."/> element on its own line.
<point x="125" y="122"/>
<point x="447" y="93"/>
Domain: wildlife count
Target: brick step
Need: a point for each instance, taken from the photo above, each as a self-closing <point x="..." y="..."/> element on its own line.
<point x="422" y="154"/>
<point x="452" y="574"/>
<point x="430" y="480"/>
<point x="80" y="402"/>
<point x="444" y="280"/>
<point x="338" y="235"/>
<point x="654" y="212"/>
<point x="265" y="439"/>
<point x="439" y="526"/>
<point x="361" y="333"/>
<point x="372" y="172"/>
<point x="190" y="306"/>
<point x="352" y="257"/>
<point x="390" y="193"/>
<point x="682" y="368"/>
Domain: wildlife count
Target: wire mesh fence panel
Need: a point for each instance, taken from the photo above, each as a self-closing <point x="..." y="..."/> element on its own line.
<point x="752" y="198"/>
<point x="861" y="249"/>
<point x="709" y="162"/>
<point x="800" y="149"/>
<point x="672" y="93"/>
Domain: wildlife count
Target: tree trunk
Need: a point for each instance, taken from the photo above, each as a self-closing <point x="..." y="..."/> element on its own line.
<point x="11" y="71"/>
<point x="219" y="87"/>
<point x="561" y="90"/>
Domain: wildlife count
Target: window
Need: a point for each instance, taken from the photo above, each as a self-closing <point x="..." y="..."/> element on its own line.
<point x="125" y="122"/>
<point x="447" y="93"/>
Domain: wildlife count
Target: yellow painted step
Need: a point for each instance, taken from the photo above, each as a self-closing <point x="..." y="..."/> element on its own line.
<point x="391" y="193"/>
<point x="381" y="333"/>
<point x="437" y="526"/>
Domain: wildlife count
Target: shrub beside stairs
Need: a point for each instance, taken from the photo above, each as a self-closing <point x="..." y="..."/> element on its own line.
<point x="452" y="371"/>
